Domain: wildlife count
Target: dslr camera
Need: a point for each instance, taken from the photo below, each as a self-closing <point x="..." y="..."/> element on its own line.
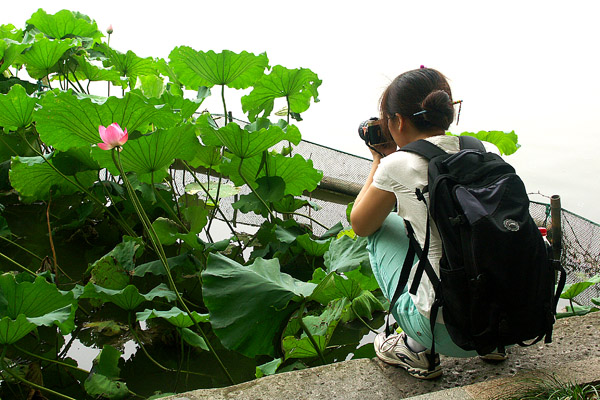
<point x="370" y="131"/>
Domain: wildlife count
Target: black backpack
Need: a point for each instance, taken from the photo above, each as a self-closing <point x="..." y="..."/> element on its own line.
<point x="497" y="281"/>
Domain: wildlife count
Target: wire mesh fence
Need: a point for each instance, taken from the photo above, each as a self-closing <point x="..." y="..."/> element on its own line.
<point x="580" y="237"/>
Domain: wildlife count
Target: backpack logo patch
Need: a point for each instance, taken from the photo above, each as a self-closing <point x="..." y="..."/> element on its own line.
<point x="511" y="225"/>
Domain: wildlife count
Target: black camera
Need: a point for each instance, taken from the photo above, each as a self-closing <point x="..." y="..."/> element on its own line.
<point x="370" y="131"/>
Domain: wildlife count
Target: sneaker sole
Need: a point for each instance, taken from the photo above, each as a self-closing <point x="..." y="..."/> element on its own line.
<point x="419" y="373"/>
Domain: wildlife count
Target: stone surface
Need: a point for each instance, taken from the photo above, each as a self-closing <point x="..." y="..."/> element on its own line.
<point x="575" y="350"/>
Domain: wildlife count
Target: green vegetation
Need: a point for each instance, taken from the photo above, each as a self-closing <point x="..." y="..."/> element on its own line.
<point x="106" y="248"/>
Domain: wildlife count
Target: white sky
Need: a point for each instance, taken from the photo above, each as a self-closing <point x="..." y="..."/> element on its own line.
<point x="528" y="66"/>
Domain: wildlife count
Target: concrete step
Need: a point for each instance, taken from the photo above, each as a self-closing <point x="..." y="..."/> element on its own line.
<point x="573" y="356"/>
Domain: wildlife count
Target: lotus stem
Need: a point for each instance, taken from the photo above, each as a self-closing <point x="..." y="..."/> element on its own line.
<point x="22" y="350"/>
<point x="161" y="254"/>
<point x="310" y="336"/>
<point x="168" y="208"/>
<point x="214" y="201"/>
<point x="152" y="360"/>
<point x="18" y="265"/>
<point x="309" y="218"/>
<point x="23" y="248"/>
<point x="224" y="104"/>
<point x="28" y="383"/>
<point x="361" y="319"/>
<point x="254" y="191"/>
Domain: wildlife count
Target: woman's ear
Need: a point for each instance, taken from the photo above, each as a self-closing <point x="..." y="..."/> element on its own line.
<point x="401" y="122"/>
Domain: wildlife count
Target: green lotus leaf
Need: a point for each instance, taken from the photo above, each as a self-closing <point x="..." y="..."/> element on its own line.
<point x="335" y="286"/>
<point x="103" y="380"/>
<point x="74" y="160"/>
<point x="40" y="302"/>
<point x="364" y="305"/>
<point x="64" y="24"/>
<point x="187" y="263"/>
<point x="112" y="270"/>
<point x="270" y="189"/>
<point x="33" y="178"/>
<point x="225" y="190"/>
<point x="13" y="330"/>
<point x="9" y="52"/>
<point x="128" y="298"/>
<point x="573" y="289"/>
<point x="245" y="144"/>
<point x="128" y="64"/>
<point x="93" y="73"/>
<point x="64" y="318"/>
<point x="150" y="85"/>
<point x="314" y="248"/>
<point x="296" y="85"/>
<point x="9" y="31"/>
<point x="298" y="174"/>
<point x="16" y="108"/>
<point x="150" y="155"/>
<point x="346" y="254"/>
<point x="175" y="316"/>
<point x="269" y="368"/>
<point x="193" y="339"/>
<point x="43" y="55"/>
<point x="249" y="305"/>
<point x="166" y="230"/>
<point x="365" y="281"/>
<point x="7" y="84"/>
<point x="507" y="142"/>
<point x="321" y="328"/>
<point x="65" y="120"/>
<point x="184" y="107"/>
<point x="198" y="68"/>
<point x="195" y="216"/>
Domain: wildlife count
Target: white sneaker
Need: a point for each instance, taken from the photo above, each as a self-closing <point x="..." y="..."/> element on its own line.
<point x="394" y="350"/>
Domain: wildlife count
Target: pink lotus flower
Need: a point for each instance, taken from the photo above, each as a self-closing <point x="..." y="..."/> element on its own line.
<point x="109" y="30"/>
<point x="112" y="136"/>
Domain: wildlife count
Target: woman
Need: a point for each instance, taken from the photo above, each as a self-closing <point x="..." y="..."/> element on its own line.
<point x="416" y="105"/>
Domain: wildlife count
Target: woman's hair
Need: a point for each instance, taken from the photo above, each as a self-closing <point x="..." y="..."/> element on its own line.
<point x="419" y="90"/>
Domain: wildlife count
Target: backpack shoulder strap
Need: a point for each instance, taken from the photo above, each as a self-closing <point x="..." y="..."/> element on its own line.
<point x="423" y="148"/>
<point x="470" y="142"/>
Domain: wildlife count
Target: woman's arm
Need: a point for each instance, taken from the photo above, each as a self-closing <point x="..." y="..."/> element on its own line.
<point x="372" y="205"/>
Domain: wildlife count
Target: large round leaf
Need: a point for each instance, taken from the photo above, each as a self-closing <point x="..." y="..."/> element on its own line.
<point x="128" y="298"/>
<point x="298" y="174"/>
<point x="175" y="316"/>
<point x="296" y="85"/>
<point x="9" y="51"/>
<point x="16" y="108"/>
<point x="64" y="23"/>
<point x="241" y="142"/>
<point x="152" y="154"/>
<point x="44" y="54"/>
<point x="66" y="120"/>
<point x="128" y="64"/>
<point x="198" y="68"/>
<point x="33" y="178"/>
<point x="249" y="305"/>
<point x="26" y="305"/>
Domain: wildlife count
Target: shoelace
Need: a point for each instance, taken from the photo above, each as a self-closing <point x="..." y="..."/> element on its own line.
<point x="390" y="342"/>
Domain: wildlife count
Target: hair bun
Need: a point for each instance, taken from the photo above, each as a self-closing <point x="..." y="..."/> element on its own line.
<point x="439" y="107"/>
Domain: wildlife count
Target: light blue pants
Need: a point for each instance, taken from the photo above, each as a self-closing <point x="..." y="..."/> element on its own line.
<point x="387" y="248"/>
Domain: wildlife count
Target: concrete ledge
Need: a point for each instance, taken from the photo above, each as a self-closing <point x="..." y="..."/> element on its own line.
<point x="573" y="356"/>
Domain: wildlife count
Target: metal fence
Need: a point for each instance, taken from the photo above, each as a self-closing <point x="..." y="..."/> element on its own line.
<point x="344" y="175"/>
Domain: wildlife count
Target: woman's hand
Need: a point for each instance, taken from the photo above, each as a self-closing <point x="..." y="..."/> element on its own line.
<point x="384" y="148"/>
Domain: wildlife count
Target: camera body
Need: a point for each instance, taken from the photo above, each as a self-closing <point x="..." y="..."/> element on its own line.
<point x="370" y="131"/>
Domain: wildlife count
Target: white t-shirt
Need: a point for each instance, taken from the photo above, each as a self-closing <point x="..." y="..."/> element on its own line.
<point x="401" y="173"/>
